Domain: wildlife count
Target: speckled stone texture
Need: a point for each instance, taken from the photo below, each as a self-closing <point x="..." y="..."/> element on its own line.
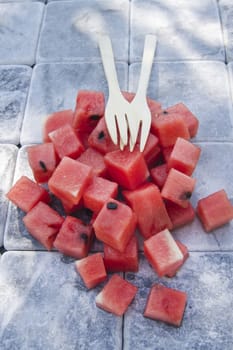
<point x="44" y="305"/>
<point x="14" y="86"/>
<point x="8" y="155"/>
<point x="19" y="31"/>
<point x="55" y="86"/>
<point x="208" y="320"/>
<point x="70" y="29"/>
<point x="226" y="14"/>
<point x="185" y="29"/>
<point x="202" y="86"/>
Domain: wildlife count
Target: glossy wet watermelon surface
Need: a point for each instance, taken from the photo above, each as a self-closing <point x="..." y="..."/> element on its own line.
<point x="44" y="302"/>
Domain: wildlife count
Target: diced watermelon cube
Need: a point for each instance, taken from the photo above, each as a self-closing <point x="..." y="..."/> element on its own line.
<point x="185" y="252"/>
<point x="116" y="261"/>
<point x="180" y="216"/>
<point x="189" y="118"/>
<point x="100" y="139"/>
<point x="215" y="210"/>
<point x="42" y="160"/>
<point x="166" y="151"/>
<point x="66" y="142"/>
<point x="163" y="253"/>
<point x="25" y="194"/>
<point x="94" y="159"/>
<point x="184" y="156"/>
<point x="148" y="205"/>
<point x="89" y="109"/>
<point x="99" y="192"/>
<point x="159" y="174"/>
<point x="127" y="168"/>
<point x="43" y="223"/>
<point x="178" y="188"/>
<point x="74" y="238"/>
<point x="168" y="127"/>
<point x="55" y="121"/>
<point x="152" y="150"/>
<point x="69" y="180"/>
<point x="115" y="224"/>
<point x="166" y="304"/>
<point x="116" y="296"/>
<point x="92" y="270"/>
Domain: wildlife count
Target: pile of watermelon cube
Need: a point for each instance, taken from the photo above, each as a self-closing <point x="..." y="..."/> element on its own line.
<point x="107" y="193"/>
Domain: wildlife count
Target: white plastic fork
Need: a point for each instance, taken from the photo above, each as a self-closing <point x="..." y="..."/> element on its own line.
<point x="140" y="116"/>
<point x="117" y="109"/>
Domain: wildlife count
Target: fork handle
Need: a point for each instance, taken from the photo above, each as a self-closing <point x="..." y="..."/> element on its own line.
<point x="147" y="62"/>
<point x="106" y="52"/>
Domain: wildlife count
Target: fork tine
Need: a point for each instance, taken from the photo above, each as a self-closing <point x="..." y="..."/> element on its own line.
<point x="145" y="129"/>
<point x="112" y="127"/>
<point x="133" y="127"/>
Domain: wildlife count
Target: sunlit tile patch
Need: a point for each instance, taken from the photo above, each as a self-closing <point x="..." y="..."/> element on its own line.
<point x="8" y="154"/>
<point x="55" y="86"/>
<point x="14" y="86"/>
<point x="19" y="31"/>
<point x="207" y="322"/>
<point x="226" y="14"/>
<point x="46" y="305"/>
<point x="185" y="29"/>
<point x="70" y="29"/>
<point x="202" y="85"/>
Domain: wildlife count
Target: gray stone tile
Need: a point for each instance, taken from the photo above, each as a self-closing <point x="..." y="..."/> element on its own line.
<point x="14" y="86"/>
<point x="55" y="86"/>
<point x="226" y="14"/>
<point x="19" y="31"/>
<point x="208" y="320"/>
<point x="202" y="85"/>
<point x="8" y="154"/>
<point x="46" y="306"/>
<point x="73" y="36"/>
<point x="185" y="29"/>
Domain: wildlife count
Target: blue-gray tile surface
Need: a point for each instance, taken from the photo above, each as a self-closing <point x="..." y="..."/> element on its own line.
<point x="48" y="52"/>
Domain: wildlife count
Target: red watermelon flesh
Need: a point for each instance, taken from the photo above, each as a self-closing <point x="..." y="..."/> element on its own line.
<point x="55" y="121"/>
<point x="127" y="168"/>
<point x="159" y="174"/>
<point x="168" y="127"/>
<point x="92" y="270"/>
<point x="69" y="180"/>
<point x="178" y="188"/>
<point x="116" y="295"/>
<point x="115" y="224"/>
<point x="166" y="304"/>
<point x="89" y="110"/>
<point x="163" y="253"/>
<point x="215" y="210"/>
<point x="147" y="203"/>
<point x="116" y="261"/>
<point x="184" y="156"/>
<point x="180" y="216"/>
<point x="25" y="194"/>
<point x="100" y="139"/>
<point x="99" y="192"/>
<point x="74" y="238"/>
<point x="94" y="159"/>
<point x="43" y="223"/>
<point x="66" y="142"/>
<point x="189" y="118"/>
<point x="42" y="160"/>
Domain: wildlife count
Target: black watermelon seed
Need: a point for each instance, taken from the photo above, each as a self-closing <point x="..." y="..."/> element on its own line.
<point x="84" y="237"/>
<point x="94" y="117"/>
<point x="186" y="195"/>
<point x="43" y="166"/>
<point x="112" y="205"/>
<point x="165" y="112"/>
<point x="101" y="135"/>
